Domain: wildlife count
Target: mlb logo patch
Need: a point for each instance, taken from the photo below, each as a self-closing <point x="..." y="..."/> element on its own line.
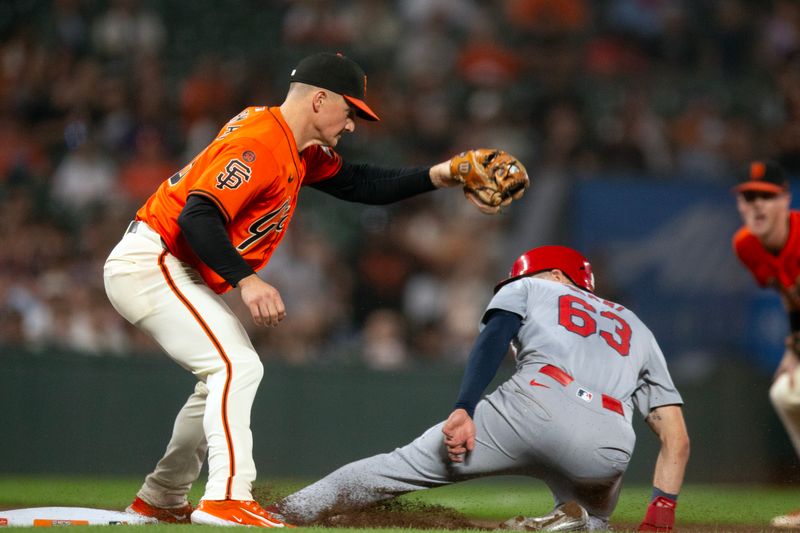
<point x="585" y="395"/>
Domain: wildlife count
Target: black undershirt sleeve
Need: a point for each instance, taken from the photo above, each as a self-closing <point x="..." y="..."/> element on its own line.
<point x="487" y="353"/>
<point x="204" y="228"/>
<point x="370" y="184"/>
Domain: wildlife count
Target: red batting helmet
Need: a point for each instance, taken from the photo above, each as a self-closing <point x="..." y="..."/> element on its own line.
<point x="576" y="267"/>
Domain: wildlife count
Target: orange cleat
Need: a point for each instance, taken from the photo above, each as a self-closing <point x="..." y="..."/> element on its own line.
<point x="789" y="520"/>
<point x="172" y="515"/>
<point x="235" y="513"/>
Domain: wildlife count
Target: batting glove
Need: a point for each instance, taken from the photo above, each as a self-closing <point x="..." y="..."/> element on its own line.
<point x="660" y="515"/>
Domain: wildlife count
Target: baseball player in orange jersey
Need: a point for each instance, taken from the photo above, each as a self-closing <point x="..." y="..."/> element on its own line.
<point x="769" y="246"/>
<point x="209" y="228"/>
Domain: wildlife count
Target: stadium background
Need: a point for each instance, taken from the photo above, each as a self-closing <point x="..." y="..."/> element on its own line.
<point x="633" y="117"/>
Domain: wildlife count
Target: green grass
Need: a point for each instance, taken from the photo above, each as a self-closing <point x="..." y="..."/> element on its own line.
<point x="498" y="499"/>
<point x="698" y="504"/>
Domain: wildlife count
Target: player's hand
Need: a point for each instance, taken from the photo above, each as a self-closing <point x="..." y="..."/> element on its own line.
<point x="263" y="300"/>
<point x="441" y="177"/>
<point x="788" y="364"/>
<point x="459" y="435"/>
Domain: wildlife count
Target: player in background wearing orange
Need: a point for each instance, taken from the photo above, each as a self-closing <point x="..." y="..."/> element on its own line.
<point x="769" y="246"/>
<point x="209" y="228"/>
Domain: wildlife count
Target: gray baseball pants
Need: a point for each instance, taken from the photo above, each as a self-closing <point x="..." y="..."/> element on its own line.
<point x="551" y="432"/>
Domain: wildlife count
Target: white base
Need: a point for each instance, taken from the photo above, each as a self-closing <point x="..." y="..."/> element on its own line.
<point x="69" y="516"/>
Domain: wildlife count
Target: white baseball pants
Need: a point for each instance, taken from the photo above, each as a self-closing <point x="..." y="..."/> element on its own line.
<point x="786" y="400"/>
<point x="166" y="298"/>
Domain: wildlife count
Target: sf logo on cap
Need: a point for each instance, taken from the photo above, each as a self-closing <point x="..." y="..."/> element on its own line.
<point x="757" y="170"/>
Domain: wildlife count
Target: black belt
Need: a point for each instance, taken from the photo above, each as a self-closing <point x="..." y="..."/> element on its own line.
<point x="134" y="226"/>
<point x="139" y="226"/>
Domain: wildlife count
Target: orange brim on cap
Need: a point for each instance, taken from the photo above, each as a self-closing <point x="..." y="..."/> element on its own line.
<point x="362" y="109"/>
<point x="759" y="186"/>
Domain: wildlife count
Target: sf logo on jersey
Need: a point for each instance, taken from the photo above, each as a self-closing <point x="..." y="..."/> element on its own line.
<point x="236" y="173"/>
<point x="275" y="220"/>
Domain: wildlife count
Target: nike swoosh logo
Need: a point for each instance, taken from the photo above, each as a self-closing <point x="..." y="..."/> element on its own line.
<point x="537" y="384"/>
<point x="262" y="519"/>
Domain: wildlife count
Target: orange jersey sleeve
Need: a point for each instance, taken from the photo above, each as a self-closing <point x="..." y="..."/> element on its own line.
<point x="321" y="163"/>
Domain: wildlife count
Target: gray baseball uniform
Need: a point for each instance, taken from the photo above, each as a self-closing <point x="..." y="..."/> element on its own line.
<point x="583" y="365"/>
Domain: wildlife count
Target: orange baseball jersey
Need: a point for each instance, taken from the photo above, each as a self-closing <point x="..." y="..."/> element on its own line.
<point x="779" y="271"/>
<point x="252" y="172"/>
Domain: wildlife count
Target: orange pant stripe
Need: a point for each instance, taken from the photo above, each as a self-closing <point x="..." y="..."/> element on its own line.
<point x="221" y="351"/>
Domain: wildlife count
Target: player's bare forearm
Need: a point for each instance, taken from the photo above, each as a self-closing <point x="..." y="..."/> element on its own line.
<point x="263" y="300"/>
<point x="667" y="422"/>
<point x="459" y="435"/>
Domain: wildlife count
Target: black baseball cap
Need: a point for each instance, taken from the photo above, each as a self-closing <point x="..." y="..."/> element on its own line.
<point x="764" y="176"/>
<point x="339" y="74"/>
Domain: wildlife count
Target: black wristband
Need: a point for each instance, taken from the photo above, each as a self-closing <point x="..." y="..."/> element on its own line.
<point x="794" y="320"/>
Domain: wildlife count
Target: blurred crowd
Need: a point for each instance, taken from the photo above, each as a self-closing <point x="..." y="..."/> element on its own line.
<point x="101" y="100"/>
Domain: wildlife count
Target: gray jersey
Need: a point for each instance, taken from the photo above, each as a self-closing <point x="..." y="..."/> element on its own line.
<point x="601" y="344"/>
<point x="582" y="364"/>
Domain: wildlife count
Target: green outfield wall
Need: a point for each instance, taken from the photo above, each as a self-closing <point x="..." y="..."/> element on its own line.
<point x="65" y="413"/>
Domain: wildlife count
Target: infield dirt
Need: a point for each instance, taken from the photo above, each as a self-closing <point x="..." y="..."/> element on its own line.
<point x="418" y="515"/>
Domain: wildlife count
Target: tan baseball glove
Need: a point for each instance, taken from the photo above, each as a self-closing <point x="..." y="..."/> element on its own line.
<point x="492" y="178"/>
